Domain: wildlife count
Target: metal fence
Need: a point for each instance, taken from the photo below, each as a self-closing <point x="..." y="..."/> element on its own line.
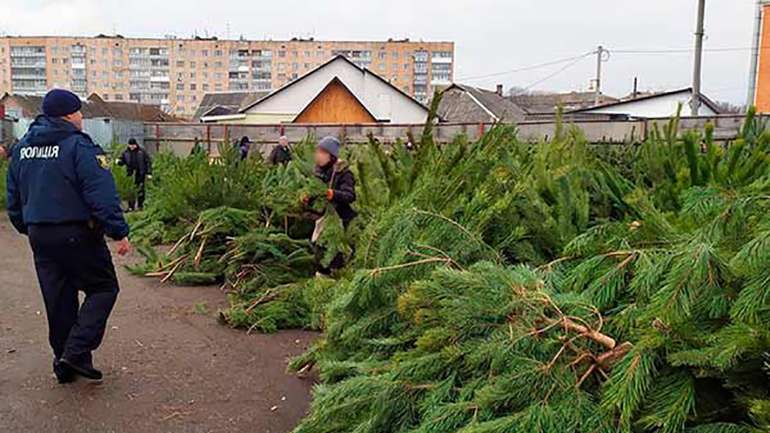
<point x="181" y="137"/>
<point x="104" y="131"/>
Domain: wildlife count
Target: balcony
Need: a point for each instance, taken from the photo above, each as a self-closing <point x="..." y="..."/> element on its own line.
<point x="441" y="60"/>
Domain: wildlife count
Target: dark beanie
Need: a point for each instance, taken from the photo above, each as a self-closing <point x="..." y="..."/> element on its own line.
<point x="60" y="102"/>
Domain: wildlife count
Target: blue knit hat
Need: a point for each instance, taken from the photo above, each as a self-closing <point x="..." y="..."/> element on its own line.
<point x="60" y="102"/>
<point x="331" y="145"/>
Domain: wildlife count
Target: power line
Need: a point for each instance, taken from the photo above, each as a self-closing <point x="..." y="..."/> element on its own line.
<point x="682" y="50"/>
<point x="559" y="71"/>
<point x="527" y="68"/>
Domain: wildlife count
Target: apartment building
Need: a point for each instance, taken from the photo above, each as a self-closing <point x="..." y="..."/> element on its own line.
<point x="176" y="73"/>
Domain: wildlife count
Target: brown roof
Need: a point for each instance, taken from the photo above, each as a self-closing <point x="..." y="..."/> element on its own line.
<point x="547" y="103"/>
<point x="461" y="103"/>
<point x="98" y="107"/>
<point x="95" y="106"/>
<point x="223" y="103"/>
<point x="30" y="104"/>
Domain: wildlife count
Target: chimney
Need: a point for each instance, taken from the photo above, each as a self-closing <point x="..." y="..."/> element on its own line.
<point x="499" y="90"/>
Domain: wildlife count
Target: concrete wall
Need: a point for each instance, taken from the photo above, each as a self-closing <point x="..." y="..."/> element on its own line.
<point x="179" y="137"/>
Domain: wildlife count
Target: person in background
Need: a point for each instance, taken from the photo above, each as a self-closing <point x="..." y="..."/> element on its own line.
<point x="341" y="193"/>
<point x="61" y="194"/>
<point x="281" y="154"/>
<point x="139" y="166"/>
<point x="243" y="147"/>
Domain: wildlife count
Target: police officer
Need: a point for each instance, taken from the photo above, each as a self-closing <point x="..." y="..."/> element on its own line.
<point x="62" y="195"/>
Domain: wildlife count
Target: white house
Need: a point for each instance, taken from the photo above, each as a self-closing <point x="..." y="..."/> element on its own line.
<point x="338" y="91"/>
<point x="651" y="106"/>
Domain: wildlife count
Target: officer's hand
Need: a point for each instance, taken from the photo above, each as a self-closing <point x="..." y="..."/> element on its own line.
<point x="124" y="247"/>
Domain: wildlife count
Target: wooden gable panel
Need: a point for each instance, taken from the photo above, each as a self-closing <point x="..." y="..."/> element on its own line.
<point x="335" y="104"/>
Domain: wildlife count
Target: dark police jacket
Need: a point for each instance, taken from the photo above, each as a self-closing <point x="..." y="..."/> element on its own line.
<point x="58" y="175"/>
<point x="339" y="178"/>
<point x="138" y="163"/>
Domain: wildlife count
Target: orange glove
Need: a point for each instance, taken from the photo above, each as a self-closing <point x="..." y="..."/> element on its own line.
<point x="330" y="194"/>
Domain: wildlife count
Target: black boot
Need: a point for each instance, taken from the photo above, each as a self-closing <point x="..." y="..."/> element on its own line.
<point x="63" y="373"/>
<point x="82" y="366"/>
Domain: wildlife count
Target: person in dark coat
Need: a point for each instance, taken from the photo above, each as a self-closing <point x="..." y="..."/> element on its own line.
<point x="341" y="193"/>
<point x="281" y="154"/>
<point x="61" y="194"/>
<point x="243" y="147"/>
<point x="139" y="166"/>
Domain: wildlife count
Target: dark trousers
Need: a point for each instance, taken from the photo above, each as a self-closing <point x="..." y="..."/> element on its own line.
<point x="68" y="259"/>
<point x="140" y="194"/>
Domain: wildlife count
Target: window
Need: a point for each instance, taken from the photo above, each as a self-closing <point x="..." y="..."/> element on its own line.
<point x="193" y="86"/>
<point x="118" y="97"/>
<point x="205" y="87"/>
<point x="179" y="86"/>
<point x="180" y="98"/>
<point x="205" y="53"/>
<point x="382" y="55"/>
<point x="319" y="53"/>
<point x="218" y="64"/>
<point x="180" y="63"/>
<point x="218" y="53"/>
<point x="281" y="53"/>
<point x="307" y="53"/>
<point x="192" y="64"/>
<point x="192" y="75"/>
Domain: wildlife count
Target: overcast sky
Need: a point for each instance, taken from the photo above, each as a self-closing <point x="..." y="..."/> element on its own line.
<point x="491" y="36"/>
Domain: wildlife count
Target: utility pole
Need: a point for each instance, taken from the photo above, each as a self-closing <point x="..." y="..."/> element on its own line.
<point x="697" y="67"/>
<point x="755" y="50"/>
<point x="600" y="58"/>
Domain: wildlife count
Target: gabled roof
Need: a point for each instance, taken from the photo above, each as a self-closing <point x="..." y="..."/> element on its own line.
<point x="98" y="107"/>
<point x="462" y="103"/>
<point x="706" y="101"/>
<point x="95" y="106"/>
<point x="363" y="70"/>
<point x="547" y="103"/>
<point x="28" y="103"/>
<point x="223" y="103"/>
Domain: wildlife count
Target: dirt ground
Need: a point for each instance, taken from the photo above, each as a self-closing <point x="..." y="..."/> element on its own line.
<point x="169" y="366"/>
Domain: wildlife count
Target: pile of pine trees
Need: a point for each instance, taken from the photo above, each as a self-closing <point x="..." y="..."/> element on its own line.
<point x="499" y="286"/>
<point x="548" y="293"/>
